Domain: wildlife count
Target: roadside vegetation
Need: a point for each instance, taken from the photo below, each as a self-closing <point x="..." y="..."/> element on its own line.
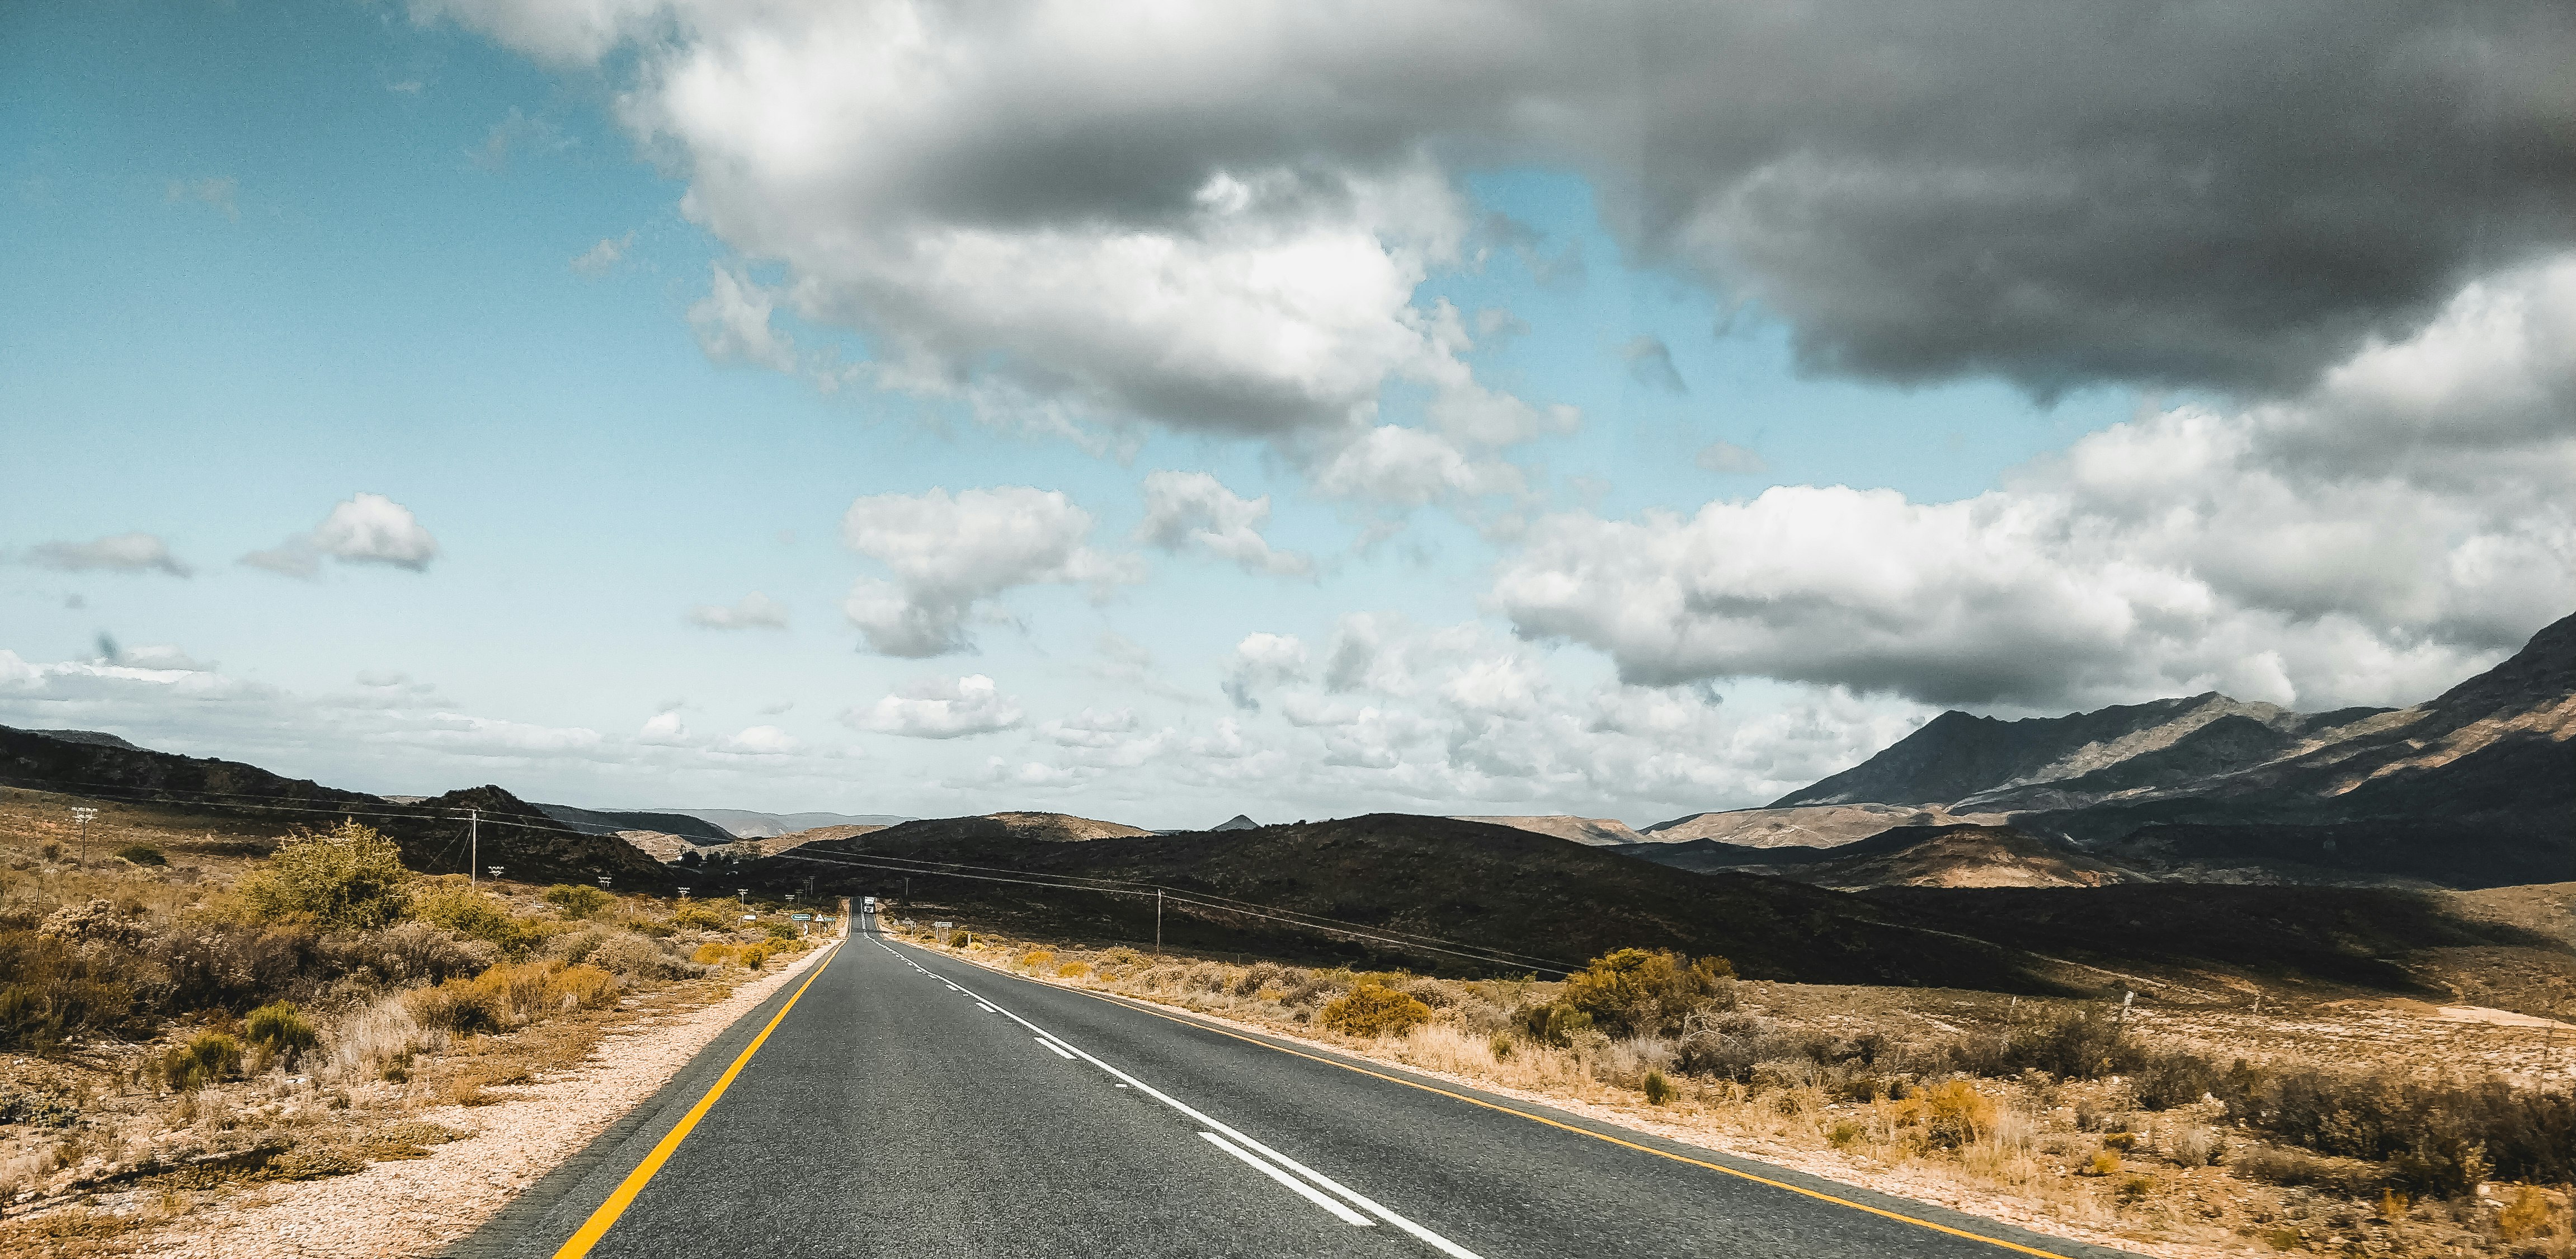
<point x="2064" y="1116"/>
<point x="195" y="1014"/>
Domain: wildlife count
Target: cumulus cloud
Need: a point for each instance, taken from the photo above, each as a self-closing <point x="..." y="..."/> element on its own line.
<point x="758" y="741"/>
<point x="1221" y="225"/>
<point x="1263" y="660"/>
<point x="752" y="611"/>
<point x="2369" y="540"/>
<point x="1650" y="363"/>
<point x="116" y="553"/>
<point x="1193" y="510"/>
<point x="364" y="529"/>
<point x="941" y="709"/>
<point x="602" y="258"/>
<point x="950" y="554"/>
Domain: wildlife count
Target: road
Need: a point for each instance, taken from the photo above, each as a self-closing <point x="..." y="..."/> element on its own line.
<point x="901" y="1102"/>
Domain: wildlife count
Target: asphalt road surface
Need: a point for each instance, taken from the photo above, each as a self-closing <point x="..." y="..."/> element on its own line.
<point x="897" y="1102"/>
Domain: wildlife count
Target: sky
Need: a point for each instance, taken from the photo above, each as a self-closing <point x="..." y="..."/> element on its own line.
<point x="1160" y="412"/>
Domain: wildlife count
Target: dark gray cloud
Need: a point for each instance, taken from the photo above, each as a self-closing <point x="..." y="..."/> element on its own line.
<point x="2182" y="193"/>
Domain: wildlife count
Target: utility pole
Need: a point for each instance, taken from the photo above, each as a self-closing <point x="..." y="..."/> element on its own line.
<point x="473" y="843"/>
<point x="1158" y="920"/>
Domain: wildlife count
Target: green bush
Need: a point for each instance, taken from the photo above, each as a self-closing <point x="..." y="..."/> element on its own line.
<point x="479" y="916"/>
<point x="143" y="855"/>
<point x="1554" y="1023"/>
<point x="204" y="1060"/>
<point x="578" y="901"/>
<point x="1636" y="992"/>
<point x="279" y="1030"/>
<point x="2075" y="1042"/>
<point x="1372" y="1009"/>
<point x="697" y="917"/>
<point x="1659" y="1090"/>
<point x="346" y="877"/>
<point x="780" y="930"/>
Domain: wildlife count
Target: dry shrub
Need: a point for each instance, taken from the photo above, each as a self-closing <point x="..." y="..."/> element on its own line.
<point x="477" y="915"/>
<point x="1035" y="958"/>
<point x="2530" y="1214"/>
<point x="1946" y="1116"/>
<point x="2193" y="1145"/>
<point x="695" y="917"/>
<point x="751" y="956"/>
<point x="53" y="994"/>
<point x="1371" y="1009"/>
<point x="368" y="1040"/>
<point x="2441" y="1138"/>
<point x="635" y="957"/>
<point x="1072" y="970"/>
<point x="405" y="953"/>
<point x="509" y="996"/>
<point x="2345" y="1177"/>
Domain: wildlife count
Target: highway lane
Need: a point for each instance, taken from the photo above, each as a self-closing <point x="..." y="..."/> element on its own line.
<point x="912" y="1104"/>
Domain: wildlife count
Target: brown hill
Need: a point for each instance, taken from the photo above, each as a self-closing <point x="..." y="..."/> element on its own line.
<point x="1813" y="826"/>
<point x="433" y="832"/>
<point x="1597" y="831"/>
<point x="1064" y="827"/>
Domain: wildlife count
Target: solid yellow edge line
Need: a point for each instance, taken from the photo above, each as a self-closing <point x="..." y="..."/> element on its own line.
<point x="1598" y="1136"/>
<point x="598" y="1224"/>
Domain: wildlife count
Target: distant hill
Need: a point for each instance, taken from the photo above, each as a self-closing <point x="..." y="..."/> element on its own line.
<point x="610" y="821"/>
<point x="1494" y="886"/>
<point x="100" y="738"/>
<point x="746" y="824"/>
<point x="1238" y="822"/>
<point x="1599" y="832"/>
<point x="1902" y="856"/>
<point x="2474" y="788"/>
<point x="525" y="842"/>
<point x="1810" y="826"/>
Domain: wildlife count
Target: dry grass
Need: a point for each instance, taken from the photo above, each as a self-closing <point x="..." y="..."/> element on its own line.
<point x="96" y="1152"/>
<point x="2073" y="1157"/>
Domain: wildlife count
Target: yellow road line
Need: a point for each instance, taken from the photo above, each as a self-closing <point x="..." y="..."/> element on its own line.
<point x="598" y="1224"/>
<point x="1597" y="1136"/>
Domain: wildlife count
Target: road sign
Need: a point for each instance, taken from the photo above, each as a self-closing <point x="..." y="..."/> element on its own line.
<point x="944" y="926"/>
<point x="751" y="917"/>
<point x="802" y="917"/>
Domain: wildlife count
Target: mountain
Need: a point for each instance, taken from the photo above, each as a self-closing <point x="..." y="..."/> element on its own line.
<point x="611" y="821"/>
<point x="1597" y="831"/>
<point x="2473" y="788"/>
<point x="1810" y="826"/>
<point x="746" y="824"/>
<point x="101" y="738"/>
<point x="1238" y="822"/>
<point x="1902" y="856"/>
<point x="434" y="833"/>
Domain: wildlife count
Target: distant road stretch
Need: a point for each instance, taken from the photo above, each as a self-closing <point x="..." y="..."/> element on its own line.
<point x="897" y="1102"/>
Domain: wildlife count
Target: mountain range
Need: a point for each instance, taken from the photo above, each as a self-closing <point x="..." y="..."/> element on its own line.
<point x="2475" y="787"/>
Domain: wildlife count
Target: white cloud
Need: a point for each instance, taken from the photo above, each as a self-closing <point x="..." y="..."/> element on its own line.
<point x="1194" y="510"/>
<point x="664" y="729"/>
<point x="1410" y="467"/>
<point x="1261" y="661"/>
<point x="117" y="553"/>
<point x="950" y="554"/>
<point x="941" y="709"/>
<point x="364" y="529"/>
<point x="518" y="132"/>
<point x="758" y="741"/>
<point x="752" y="611"/>
<point x="602" y="258"/>
<point x="732" y="322"/>
<point x="2369" y="541"/>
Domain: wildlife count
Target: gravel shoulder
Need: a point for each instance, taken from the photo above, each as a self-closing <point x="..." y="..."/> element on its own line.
<point x="418" y="1206"/>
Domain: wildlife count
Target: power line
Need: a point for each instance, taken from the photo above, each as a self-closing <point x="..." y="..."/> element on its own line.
<point x="1293" y="918"/>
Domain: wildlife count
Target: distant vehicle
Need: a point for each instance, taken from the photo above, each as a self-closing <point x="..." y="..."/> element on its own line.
<point x="869" y="902"/>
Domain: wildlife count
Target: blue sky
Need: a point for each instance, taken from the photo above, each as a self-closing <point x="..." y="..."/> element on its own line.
<point x="266" y="259"/>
